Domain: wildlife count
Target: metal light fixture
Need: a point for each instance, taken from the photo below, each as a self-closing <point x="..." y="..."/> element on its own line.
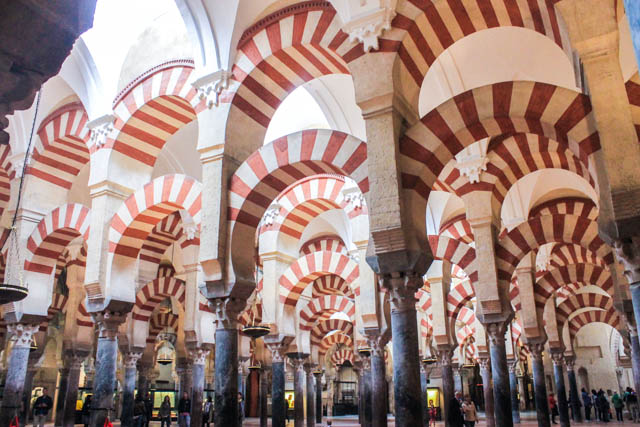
<point x="365" y="351"/>
<point x="430" y="360"/>
<point x="254" y="331"/>
<point x="11" y="292"/>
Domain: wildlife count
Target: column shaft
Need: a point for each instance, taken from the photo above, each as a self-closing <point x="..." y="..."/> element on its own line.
<point x="71" y="396"/>
<point x="311" y="400"/>
<point x="128" y="390"/>
<point x="575" y="395"/>
<point x="500" y="373"/>
<point x="558" y="371"/>
<point x="425" y="403"/>
<point x="515" y="402"/>
<point x="14" y="384"/>
<point x="26" y="395"/>
<point x="540" y="391"/>
<point x="635" y="360"/>
<point x="264" y="391"/>
<point x="104" y="382"/>
<point x="318" y="397"/>
<point x="197" y="394"/>
<point x="367" y="395"/>
<point x="226" y="382"/>
<point x="278" y="409"/>
<point x="62" y="392"/>
<point x="299" y="392"/>
<point x="487" y="389"/>
<point x="448" y="390"/>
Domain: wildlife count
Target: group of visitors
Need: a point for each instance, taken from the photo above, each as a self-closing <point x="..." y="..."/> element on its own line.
<point x="599" y="402"/>
<point x="462" y="412"/>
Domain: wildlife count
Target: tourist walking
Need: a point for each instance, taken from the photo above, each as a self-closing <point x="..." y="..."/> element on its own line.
<point x="553" y="408"/>
<point x="455" y="417"/>
<point x="587" y="403"/>
<point x="470" y="412"/>
<point x="618" y="405"/>
<point x="165" y="412"/>
<point x="433" y="414"/>
<point x="207" y="412"/>
<point x="184" y="410"/>
<point x="41" y="408"/>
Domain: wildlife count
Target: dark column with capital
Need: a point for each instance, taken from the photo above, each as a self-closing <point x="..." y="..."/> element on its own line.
<point x="264" y="392"/>
<point x="198" y="356"/>
<point x="539" y="384"/>
<point x="561" y="395"/>
<point x="573" y="388"/>
<point x="500" y="373"/>
<point x="367" y="391"/>
<point x="17" y="370"/>
<point x="318" y="375"/>
<point x="424" y="379"/>
<point x="513" y="383"/>
<point x="62" y="392"/>
<point x="299" y="377"/>
<point x="74" y="360"/>
<point x="130" y="372"/>
<point x="311" y="399"/>
<point x="277" y="347"/>
<point x="487" y="389"/>
<point x="444" y="354"/>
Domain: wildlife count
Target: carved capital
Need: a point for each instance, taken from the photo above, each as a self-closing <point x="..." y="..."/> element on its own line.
<point x="23" y="333"/>
<point x="366" y="28"/>
<point x="628" y="252"/>
<point x="198" y="355"/>
<point x="557" y="357"/>
<point x="570" y="361"/>
<point x="277" y="350"/>
<point x="513" y="366"/>
<point x="101" y="129"/>
<point x="108" y="323"/>
<point x="131" y="359"/>
<point x="444" y="356"/>
<point x="472" y="167"/>
<point x="536" y="350"/>
<point x="210" y="87"/>
<point x="377" y="343"/>
<point x="227" y="311"/>
<point x="485" y="363"/>
<point x="297" y="362"/>
<point x="496" y="332"/>
<point x="271" y="216"/>
<point x="402" y="288"/>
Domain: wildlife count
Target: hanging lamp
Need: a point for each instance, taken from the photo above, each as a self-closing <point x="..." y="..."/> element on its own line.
<point x="254" y="331"/>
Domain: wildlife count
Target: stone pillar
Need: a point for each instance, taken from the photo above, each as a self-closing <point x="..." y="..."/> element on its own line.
<point x="635" y="359"/>
<point x="278" y="408"/>
<point x="17" y="370"/>
<point x="500" y="373"/>
<point x="367" y="391"/>
<point x="71" y="395"/>
<point x="226" y="360"/>
<point x="448" y="390"/>
<point x="487" y="389"/>
<point x="106" y="360"/>
<point x="26" y="395"/>
<point x="298" y="360"/>
<point x="457" y="378"/>
<point x="264" y="392"/>
<point x="424" y="378"/>
<point x="63" y="375"/>
<point x="570" y="361"/>
<point x="198" y="357"/>
<point x="318" y="375"/>
<point x="144" y="378"/>
<point x="561" y="395"/>
<point x="128" y="388"/>
<point x="311" y="400"/>
<point x="513" y="383"/>
<point x="406" y="359"/>
<point x="539" y="385"/>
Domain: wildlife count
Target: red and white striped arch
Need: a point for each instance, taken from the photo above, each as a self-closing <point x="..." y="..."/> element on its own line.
<point x="583" y="274"/>
<point x="633" y="93"/>
<point x="324" y="327"/>
<point x="166" y="232"/>
<point x="58" y="303"/>
<point x="308" y="268"/>
<point x="574" y="303"/>
<point x="331" y="284"/>
<point x="154" y="292"/>
<point x="52" y="235"/>
<point x="322" y="308"/>
<point x="609" y="317"/>
<point x="334" y="339"/>
<point x="567" y="206"/>
<point x="566" y="254"/>
<point x="340" y="356"/>
<point x="159" y="322"/>
<point x="324" y="243"/>
<point x="281" y="52"/>
<point x="429" y="28"/>
<point x="455" y="251"/>
<point x="61" y="149"/>
<point x="83" y="318"/>
<point x="497" y="110"/>
<point x="251" y="315"/>
<point x="458" y="228"/>
<point x="153" y="110"/>
<point x="540" y="230"/>
<point x="458" y="296"/>
<point x="144" y="209"/>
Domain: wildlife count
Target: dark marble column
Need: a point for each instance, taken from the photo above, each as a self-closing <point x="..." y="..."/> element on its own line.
<point x="26" y="415"/>
<point x="198" y="359"/>
<point x="424" y="378"/>
<point x="487" y="389"/>
<point x="226" y="361"/>
<point x="311" y="399"/>
<point x="448" y="389"/>
<point x="406" y="359"/>
<point x="71" y="395"/>
<point x="62" y="392"/>
<point x="457" y="378"/>
<point x="17" y="370"/>
<point x="298" y="360"/>
<point x="264" y="392"/>
<point x="128" y="388"/>
<point x="561" y="395"/>
<point x="278" y="404"/>
<point x="144" y="378"/>
<point x="573" y="387"/>
<point x="106" y="360"/>
<point x="539" y="385"/>
<point x="635" y="360"/>
<point x="318" y="375"/>
<point x="513" y="383"/>
<point x="367" y="391"/>
<point x="500" y="373"/>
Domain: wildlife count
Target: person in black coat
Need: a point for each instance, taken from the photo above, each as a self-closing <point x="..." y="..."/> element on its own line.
<point x="455" y="417"/>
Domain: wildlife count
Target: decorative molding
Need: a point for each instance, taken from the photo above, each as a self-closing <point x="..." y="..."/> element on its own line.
<point x="108" y="323"/>
<point x="131" y="359"/>
<point x="367" y="27"/>
<point x="355" y="197"/>
<point x="472" y="168"/>
<point x="227" y="311"/>
<point x="272" y="214"/>
<point x="23" y="333"/>
<point x="210" y="87"/>
<point x="101" y="129"/>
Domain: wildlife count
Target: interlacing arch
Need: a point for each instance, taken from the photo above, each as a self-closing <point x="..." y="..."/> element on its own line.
<point x="323" y="307"/>
<point x="430" y="27"/>
<point x="574" y="303"/>
<point x="566" y="254"/>
<point x="578" y="206"/>
<point x="609" y="317"/>
<point x="277" y="165"/>
<point x="160" y="322"/>
<point x="151" y="111"/>
<point x="334" y="339"/>
<point x="324" y="327"/>
<point x="281" y="52"/>
<point x="582" y="274"/>
<point x="83" y="318"/>
<point x="52" y="235"/>
<point x="324" y="243"/>
<point x="458" y="296"/>
<point x="455" y="251"/>
<point x="340" y="356"/>
<point x="165" y="233"/>
<point x="308" y="268"/>
<point x="154" y="292"/>
<point x="330" y="284"/>
<point x="457" y="228"/>
<point x="61" y="149"/>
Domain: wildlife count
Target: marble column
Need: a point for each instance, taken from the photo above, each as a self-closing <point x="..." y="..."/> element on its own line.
<point x="264" y="391"/>
<point x="635" y="360"/>
<point x="487" y="389"/>
<point x="448" y="389"/>
<point x="513" y="383"/>
<point x="144" y="378"/>
<point x="457" y="378"/>
<point x="198" y="357"/>
<point x="26" y="415"/>
<point x="278" y="408"/>
<point x="424" y="378"/>
<point x="16" y="371"/>
<point x="318" y="375"/>
<point x="367" y="392"/>
<point x="128" y="387"/>
<point x="561" y="395"/>
<point x="539" y="385"/>
<point x="63" y="375"/>
<point x="570" y="361"/>
<point x="226" y="361"/>
<point x="71" y="395"/>
<point x="311" y="400"/>
<point x="298" y="360"/>
<point x="500" y="373"/>
<point x="406" y="359"/>
<point x="106" y="360"/>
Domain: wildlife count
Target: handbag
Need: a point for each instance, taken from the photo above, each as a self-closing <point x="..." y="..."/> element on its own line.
<point x="107" y="423"/>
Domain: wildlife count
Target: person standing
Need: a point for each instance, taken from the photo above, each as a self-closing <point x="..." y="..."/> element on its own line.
<point x="586" y="401"/>
<point x="206" y="413"/>
<point x="86" y="411"/>
<point x="148" y="407"/>
<point x="455" y="416"/>
<point x="596" y="408"/>
<point x="165" y="412"/>
<point x="618" y="405"/>
<point x="433" y="414"/>
<point x="632" y="404"/>
<point x="553" y="408"/>
<point x="240" y="408"/>
<point x="470" y="412"/>
<point x="184" y="410"/>
<point x="41" y="408"/>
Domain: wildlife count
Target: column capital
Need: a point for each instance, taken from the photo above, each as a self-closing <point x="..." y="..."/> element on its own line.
<point x="277" y="345"/>
<point x="23" y="333"/>
<point x="402" y="287"/>
<point x="496" y="331"/>
<point x="227" y="311"/>
<point x="298" y="360"/>
<point x="536" y="349"/>
<point x="570" y="362"/>
<point x="108" y="322"/>
<point x="198" y="355"/>
<point x="444" y="355"/>
<point x="377" y="342"/>
<point x="513" y="365"/>
<point x="131" y="358"/>
<point x="557" y="356"/>
<point x="485" y="363"/>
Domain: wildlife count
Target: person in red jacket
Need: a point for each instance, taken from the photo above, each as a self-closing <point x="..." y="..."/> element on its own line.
<point x="553" y="408"/>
